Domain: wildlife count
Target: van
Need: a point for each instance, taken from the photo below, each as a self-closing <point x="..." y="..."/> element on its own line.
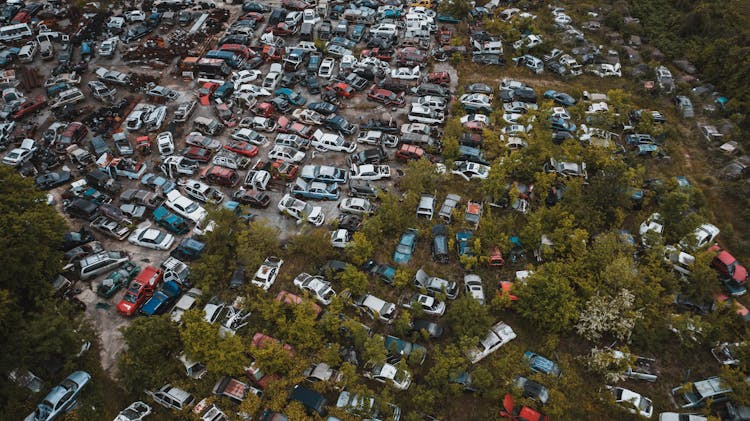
<point x="83" y="209"/>
<point x="70" y="96"/>
<point x="207" y="126"/>
<point x="15" y="32"/>
<point x="28" y="52"/>
<point x="306" y="32"/>
<point x="420" y="140"/>
<point x="422" y="114"/>
<point x="313" y="401"/>
<point x="100" y="263"/>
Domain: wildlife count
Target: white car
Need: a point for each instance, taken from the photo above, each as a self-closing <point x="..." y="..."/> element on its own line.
<point x="301" y="210"/>
<point x="151" y="238"/>
<point x="478" y="118"/>
<point x="165" y="143"/>
<point x="561" y="113"/>
<point x="388" y="373"/>
<point x="469" y="170"/>
<point x="331" y="142"/>
<point x="476" y="100"/>
<point x="529" y="41"/>
<point x="185" y="207"/>
<point x="267" y="273"/>
<point x="316" y="286"/>
<point x="632" y="402"/>
<point x="20" y="155"/>
<point x="429" y="305"/>
<point x="499" y="335"/>
<point x="655" y="224"/>
<point x="306" y="116"/>
<point x="340" y="238"/>
<point x="515" y="129"/>
<point x="701" y="237"/>
<point x="135" y="16"/>
<point x="326" y="68"/>
<point x="406" y="73"/>
<point x="245" y="76"/>
<point x="273" y="77"/>
<point x="137" y="411"/>
<point x="675" y="416"/>
<point x="263" y="124"/>
<point x="474" y="288"/>
<point x="369" y="172"/>
<point x="512" y="118"/>
<point x="310" y="16"/>
<point x="253" y="90"/>
<point x="357" y="206"/>
<point x="185" y="303"/>
<point x="249" y="135"/>
<point x="286" y="153"/>
<point x="108" y="47"/>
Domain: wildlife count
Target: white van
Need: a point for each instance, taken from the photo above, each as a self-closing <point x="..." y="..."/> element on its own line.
<point x="71" y="96"/>
<point x="28" y="52"/>
<point x="15" y="32"/>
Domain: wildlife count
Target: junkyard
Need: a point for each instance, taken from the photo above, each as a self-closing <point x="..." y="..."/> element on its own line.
<point x="335" y="210"/>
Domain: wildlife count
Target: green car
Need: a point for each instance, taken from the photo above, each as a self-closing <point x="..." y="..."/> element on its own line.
<point x="117" y="279"/>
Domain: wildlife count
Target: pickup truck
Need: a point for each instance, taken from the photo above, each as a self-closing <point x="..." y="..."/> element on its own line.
<point x="111" y="228"/>
<point x="171" y="222"/>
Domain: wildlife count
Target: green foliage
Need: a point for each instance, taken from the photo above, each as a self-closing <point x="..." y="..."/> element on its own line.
<point x="469" y="318"/>
<point x="256" y="243"/>
<point x="548" y="300"/>
<point x="360" y="249"/>
<point x="203" y="343"/>
<point x="354" y="280"/>
<point x="313" y="245"/>
<point x="151" y="357"/>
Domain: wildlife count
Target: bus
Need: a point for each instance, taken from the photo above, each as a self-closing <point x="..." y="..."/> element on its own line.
<point x="232" y="59"/>
<point x="15" y="32"/>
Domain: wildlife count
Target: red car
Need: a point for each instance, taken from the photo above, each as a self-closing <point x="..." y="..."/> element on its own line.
<point x="378" y="53"/>
<point x="222" y="176"/>
<point x="288" y="126"/>
<point x="30" y="106"/>
<point x="196" y="153"/>
<point x="343" y="90"/>
<point x="384" y="96"/>
<point x="253" y="16"/>
<point x="407" y="152"/>
<point x="297" y="5"/>
<point x="73" y="133"/>
<point x="439" y="78"/>
<point x="242" y="148"/>
<point x="140" y="290"/>
<point x="496" y="258"/>
<point x="728" y="266"/>
<point x="519" y="413"/>
<point x="282" y="29"/>
<point x="272" y="53"/>
<point x="444" y="36"/>
<point x="284" y="170"/>
<point x="205" y="92"/>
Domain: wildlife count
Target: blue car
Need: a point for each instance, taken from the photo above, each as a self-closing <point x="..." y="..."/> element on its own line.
<point x="61" y="398"/>
<point x="162" y="300"/>
<point x="560" y="98"/>
<point x="405" y="247"/>
<point x="540" y="364"/>
<point x="294" y="98"/>
<point x="188" y="249"/>
<point x="463" y="243"/>
<point x="561" y="124"/>
<point x="316" y="190"/>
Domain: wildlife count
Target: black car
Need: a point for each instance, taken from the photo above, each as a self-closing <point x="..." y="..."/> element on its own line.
<point x="370" y="156"/>
<point x="52" y="179"/>
<point x="83" y="209"/>
<point x="439" y="245"/>
<point x="325" y="108"/>
<point x="357" y="82"/>
<point x="365" y="73"/>
<point x="350" y="222"/>
<point x="313" y="84"/>
<point x="380" y="125"/>
<point x="332" y="267"/>
<point x="236" y="39"/>
<point x="434" y="330"/>
<point x="340" y="124"/>
<point x="290" y="80"/>
<point x="479" y="88"/>
<point x="363" y="189"/>
<point x="238" y="276"/>
<point x="77" y="238"/>
<point x="252" y="6"/>
<point x="254" y="198"/>
<point x="281" y="105"/>
<point x="525" y="94"/>
<point x="253" y="63"/>
<point x="379" y="42"/>
<point x="559" y="137"/>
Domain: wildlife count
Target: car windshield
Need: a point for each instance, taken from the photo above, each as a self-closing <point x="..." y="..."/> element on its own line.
<point x="130" y="298"/>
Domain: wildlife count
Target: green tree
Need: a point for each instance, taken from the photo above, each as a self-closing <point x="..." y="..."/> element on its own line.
<point x="153" y="346"/>
<point x="313" y="245"/>
<point x="469" y="318"/>
<point x="354" y="280"/>
<point x="204" y="343"/>
<point x="360" y="249"/>
<point x="548" y="300"/>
